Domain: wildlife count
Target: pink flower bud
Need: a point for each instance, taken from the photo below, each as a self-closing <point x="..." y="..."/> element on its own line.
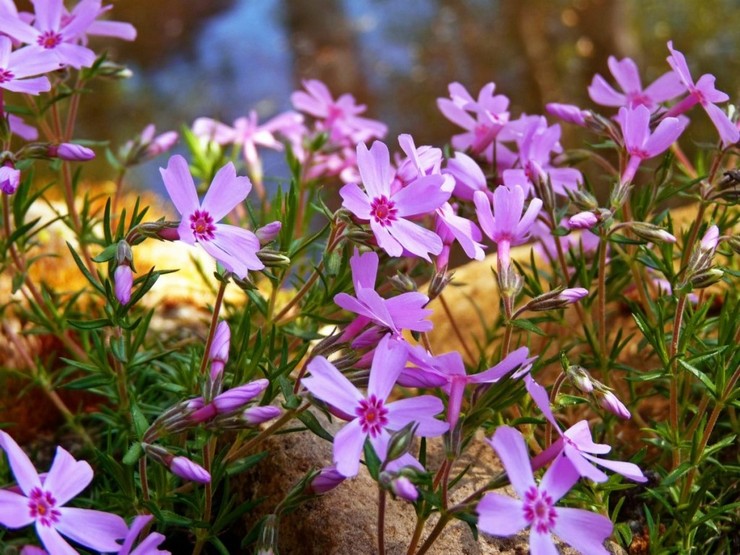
<point x="268" y="232"/>
<point x="10" y="178"/>
<point x="124" y="281"/>
<point x="161" y="144"/>
<point x="257" y="415"/>
<point x="573" y="294"/>
<point x="568" y="112"/>
<point x="611" y="403"/>
<point x="403" y="488"/>
<point x="326" y="480"/>
<point x="188" y="470"/>
<point x="71" y="152"/>
<point x="582" y="220"/>
<point x="236" y="397"/>
<point x="711" y="239"/>
<point x="219" y="352"/>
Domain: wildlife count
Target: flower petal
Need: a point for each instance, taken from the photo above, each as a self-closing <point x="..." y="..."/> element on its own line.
<point x="499" y="515"/>
<point x="388" y="361"/>
<point x="408" y="312"/>
<point x="540" y="543"/>
<point x="67" y="477"/>
<point x="583" y="466"/>
<point x="331" y="386"/>
<point x="559" y="478"/>
<point x="542" y="400"/>
<point x="14" y="511"/>
<point x="627" y="469"/>
<point x="512" y="361"/>
<point x="583" y="530"/>
<point x="416" y="239"/>
<point x="580" y="434"/>
<point x="23" y="470"/>
<point x="355" y="200"/>
<point x="421" y="410"/>
<point x="364" y="269"/>
<point x="375" y="169"/>
<point x="603" y="93"/>
<point x="95" y="529"/>
<point x="226" y="191"/>
<point x="421" y="196"/>
<point x="180" y="185"/>
<point x="53" y="542"/>
<point x="348" y="445"/>
<point x="509" y="445"/>
<point x="385" y="240"/>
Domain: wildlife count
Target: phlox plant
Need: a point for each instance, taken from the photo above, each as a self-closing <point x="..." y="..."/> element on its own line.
<point x="606" y="384"/>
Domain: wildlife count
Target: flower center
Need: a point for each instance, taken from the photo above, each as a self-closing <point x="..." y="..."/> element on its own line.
<point x="201" y="223"/>
<point x="637" y="98"/>
<point x="49" y="39"/>
<point x="6" y="75"/>
<point x="383" y="210"/>
<point x="538" y="510"/>
<point x="373" y="415"/>
<point x="41" y="506"/>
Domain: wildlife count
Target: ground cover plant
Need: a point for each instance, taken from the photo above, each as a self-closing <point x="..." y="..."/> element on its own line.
<point x="319" y="299"/>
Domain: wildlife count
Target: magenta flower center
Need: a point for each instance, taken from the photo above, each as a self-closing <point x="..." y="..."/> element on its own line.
<point x="538" y="510"/>
<point x="202" y="225"/>
<point x="6" y="75"/>
<point x="383" y="210"/>
<point x="638" y="98"/>
<point x="373" y="415"/>
<point x="41" y="506"/>
<point x="49" y="39"/>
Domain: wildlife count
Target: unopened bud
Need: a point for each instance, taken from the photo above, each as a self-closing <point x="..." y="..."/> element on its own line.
<point x="705" y="278"/>
<point x="403" y="487"/>
<point x="268" y="540"/>
<point x="557" y="299"/>
<point x="219" y="351"/>
<point x="403" y="283"/>
<point x="711" y="239"/>
<point x="400" y="442"/>
<point x="510" y="282"/>
<point x="273" y="259"/>
<point x="580" y="378"/>
<point x="161" y="144"/>
<point x="568" y="112"/>
<point x="651" y="232"/>
<point x="439" y="281"/>
<point x="237" y="397"/>
<point x="582" y="220"/>
<point x="326" y="480"/>
<point x="10" y="178"/>
<point x="124" y="254"/>
<point x="254" y="416"/>
<point x="113" y="70"/>
<point x="188" y="470"/>
<point x="70" y="152"/>
<point x="268" y="232"/>
<point x="610" y="402"/>
<point x="123" y="280"/>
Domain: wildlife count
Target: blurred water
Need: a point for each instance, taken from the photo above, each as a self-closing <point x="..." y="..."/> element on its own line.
<point x="220" y="58"/>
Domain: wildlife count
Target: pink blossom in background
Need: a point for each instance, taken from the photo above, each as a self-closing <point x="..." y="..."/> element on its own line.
<point x="640" y="143"/>
<point x="21" y="128"/>
<point x="232" y="246"/>
<point x="468" y="175"/>
<point x="371" y="416"/>
<point x="157" y="144"/>
<point x="387" y="211"/>
<point x="625" y="72"/>
<point x="41" y="502"/>
<point x="702" y="92"/>
<point x="507" y="225"/>
<point x="500" y="515"/>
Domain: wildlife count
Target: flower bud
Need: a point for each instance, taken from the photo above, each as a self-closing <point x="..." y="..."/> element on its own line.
<point x="236" y="397"/>
<point x="268" y="540"/>
<point x="254" y="416"/>
<point x="10" y="178"/>
<point x="510" y="282"/>
<point x="711" y="239"/>
<point x="113" y="70"/>
<point x="403" y="487"/>
<point x="705" y="278"/>
<point x="557" y="299"/>
<point x="651" y="232"/>
<point x="734" y="242"/>
<point x="403" y="283"/>
<point x="219" y="351"/>
<point x="160" y="144"/>
<point x="568" y="112"/>
<point x="273" y="259"/>
<point x="580" y="378"/>
<point x="70" y="152"/>
<point x="400" y="442"/>
<point x="582" y="220"/>
<point x="326" y="480"/>
<point x="439" y="281"/>
<point x="188" y="470"/>
<point x="123" y="279"/>
<point x="610" y="402"/>
<point x="268" y="232"/>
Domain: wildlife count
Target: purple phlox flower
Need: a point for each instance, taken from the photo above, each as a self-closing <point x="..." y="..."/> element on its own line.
<point x="500" y="515"/>
<point x="10" y="178"/>
<point x="339" y="118"/>
<point x="577" y="445"/>
<point x="232" y="246"/>
<point x="506" y="225"/>
<point x="248" y="133"/>
<point x="371" y="416"/>
<point x="451" y="368"/>
<point x="219" y="351"/>
<point x="123" y="280"/>
<point x="569" y="113"/>
<point x="421" y="161"/>
<point x="228" y="402"/>
<point x="537" y="144"/>
<point x="402" y="312"/>
<point x="468" y="175"/>
<point x="159" y="144"/>
<point x="21" y="128"/>
<point x="102" y="28"/>
<point x="482" y="118"/>
<point x="702" y="92"/>
<point x="387" y="211"/>
<point x="41" y="501"/>
<point x="625" y="72"/>
<point x="188" y="470"/>
<point x="50" y="34"/>
<point x="147" y="546"/>
<point x="639" y="142"/>
<point x="19" y="68"/>
<point x="611" y="402"/>
<point x="450" y="227"/>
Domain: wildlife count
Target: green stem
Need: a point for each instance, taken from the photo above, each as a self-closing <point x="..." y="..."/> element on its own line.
<point x="214" y="322"/>
<point x="381" y="520"/>
<point x="673" y="354"/>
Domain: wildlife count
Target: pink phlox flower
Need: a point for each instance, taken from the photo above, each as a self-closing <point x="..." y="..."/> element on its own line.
<point x="51" y="35"/>
<point x="468" y="175"/>
<point x="228" y="402"/>
<point x="627" y="76"/>
<point x="218" y="355"/>
<point x="506" y="225"/>
<point x="232" y="246"/>
<point x="639" y="142"/>
<point x="453" y="378"/>
<point x="402" y="312"/>
<point x="576" y="443"/>
<point x="18" y="69"/>
<point x="702" y="92"/>
<point x="421" y="161"/>
<point x="450" y="227"/>
<point x="387" y="211"/>
<point x="371" y="417"/>
<point x="482" y="119"/>
<point x="157" y="144"/>
<point x="102" y="28"/>
<point x="339" y="118"/>
<point x="500" y="515"/>
<point x="148" y="546"/>
<point x="21" y="128"/>
<point x="41" y="501"/>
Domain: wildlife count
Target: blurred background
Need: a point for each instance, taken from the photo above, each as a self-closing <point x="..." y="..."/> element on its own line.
<point x="220" y="58"/>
